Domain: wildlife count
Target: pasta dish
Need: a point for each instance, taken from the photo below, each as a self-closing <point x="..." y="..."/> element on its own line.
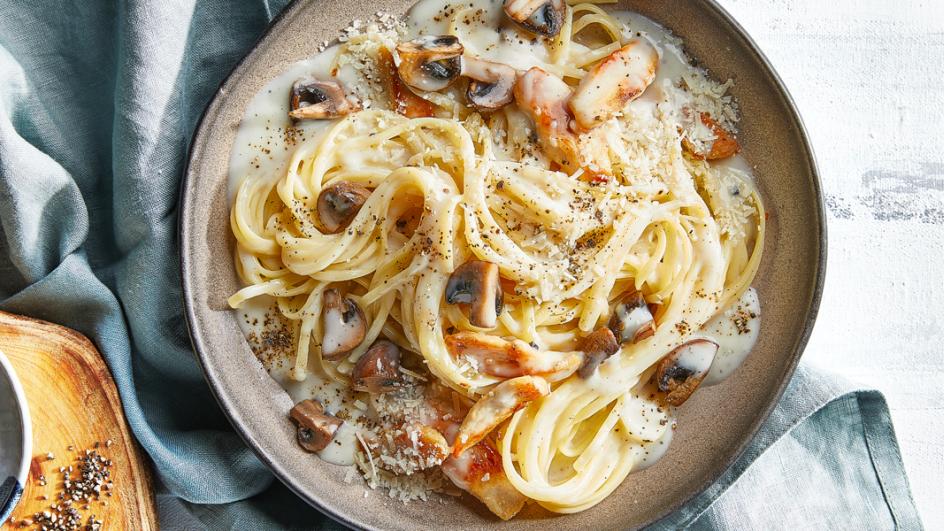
<point x="491" y="247"/>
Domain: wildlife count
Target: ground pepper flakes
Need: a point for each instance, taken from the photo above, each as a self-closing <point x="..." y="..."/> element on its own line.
<point x="82" y="485"/>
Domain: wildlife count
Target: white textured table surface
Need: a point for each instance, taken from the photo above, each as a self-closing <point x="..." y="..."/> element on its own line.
<point x="868" y="78"/>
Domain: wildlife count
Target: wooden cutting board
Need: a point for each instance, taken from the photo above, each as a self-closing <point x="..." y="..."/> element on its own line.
<point x="74" y="403"/>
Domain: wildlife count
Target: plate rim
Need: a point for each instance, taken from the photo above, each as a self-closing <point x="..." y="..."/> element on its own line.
<point x="799" y="346"/>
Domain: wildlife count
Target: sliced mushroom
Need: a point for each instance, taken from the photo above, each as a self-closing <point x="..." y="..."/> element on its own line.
<point x="314" y="100"/>
<point x="492" y="86"/>
<point x="479" y="471"/>
<point x="597" y="347"/>
<point x="544" y="17"/>
<point x="632" y="321"/>
<point x="344" y="325"/>
<point x="378" y="370"/>
<point x="615" y="81"/>
<point x="508" y="359"/>
<point x="543" y="97"/>
<point x="495" y="407"/>
<point x="477" y="284"/>
<point x="723" y="146"/>
<point x="316" y="428"/>
<point x="402" y="99"/>
<point x="338" y="204"/>
<point x="431" y="62"/>
<point x="680" y="372"/>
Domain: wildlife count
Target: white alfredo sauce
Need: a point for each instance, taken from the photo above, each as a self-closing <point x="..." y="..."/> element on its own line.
<point x="266" y="139"/>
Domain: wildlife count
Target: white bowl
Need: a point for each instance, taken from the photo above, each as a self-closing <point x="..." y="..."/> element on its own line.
<point x="15" y="438"/>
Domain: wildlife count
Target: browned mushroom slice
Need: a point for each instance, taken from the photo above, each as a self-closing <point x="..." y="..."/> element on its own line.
<point x="723" y="146"/>
<point x="430" y="62"/>
<point x="378" y="370"/>
<point x="344" y="325"/>
<point x="544" y="17"/>
<point x="509" y="359"/>
<point x="597" y="347"/>
<point x="477" y="284"/>
<point x="680" y="372"/>
<point x="338" y="204"/>
<point x="492" y="86"/>
<point x="316" y="428"/>
<point x="402" y="99"/>
<point x="495" y="407"/>
<point x="632" y="321"/>
<point x="613" y="82"/>
<point x="314" y="99"/>
<point x="479" y="471"/>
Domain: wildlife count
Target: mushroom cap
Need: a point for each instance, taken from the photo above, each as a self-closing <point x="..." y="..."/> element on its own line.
<point x="543" y="17"/>
<point x="492" y="84"/>
<point x="316" y="99"/>
<point x="430" y="62"/>
<point x="597" y="347"/>
<point x="477" y="283"/>
<point x="344" y="325"/>
<point x="632" y="320"/>
<point x="316" y="428"/>
<point x="338" y="204"/>
<point x="378" y="370"/>
<point x="681" y="371"/>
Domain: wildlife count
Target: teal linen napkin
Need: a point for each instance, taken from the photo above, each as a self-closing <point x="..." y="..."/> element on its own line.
<point x="98" y="101"/>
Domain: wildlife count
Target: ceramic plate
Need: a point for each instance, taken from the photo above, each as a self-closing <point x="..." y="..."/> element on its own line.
<point x="714" y="426"/>
<point x="15" y="438"/>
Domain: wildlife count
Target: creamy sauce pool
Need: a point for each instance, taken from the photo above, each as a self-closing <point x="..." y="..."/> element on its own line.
<point x="266" y="139"/>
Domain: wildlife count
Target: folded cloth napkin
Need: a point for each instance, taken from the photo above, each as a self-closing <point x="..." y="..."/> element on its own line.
<point x="98" y="101"/>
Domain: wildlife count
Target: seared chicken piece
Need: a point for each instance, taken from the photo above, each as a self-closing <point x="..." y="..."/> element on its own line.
<point x="479" y="472"/>
<point x="613" y="82"/>
<point x="723" y="146"/>
<point x="543" y="97"/>
<point x="495" y="407"/>
<point x="508" y="359"/>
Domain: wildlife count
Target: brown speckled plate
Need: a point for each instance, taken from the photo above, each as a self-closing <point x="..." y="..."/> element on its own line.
<point x="714" y="426"/>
